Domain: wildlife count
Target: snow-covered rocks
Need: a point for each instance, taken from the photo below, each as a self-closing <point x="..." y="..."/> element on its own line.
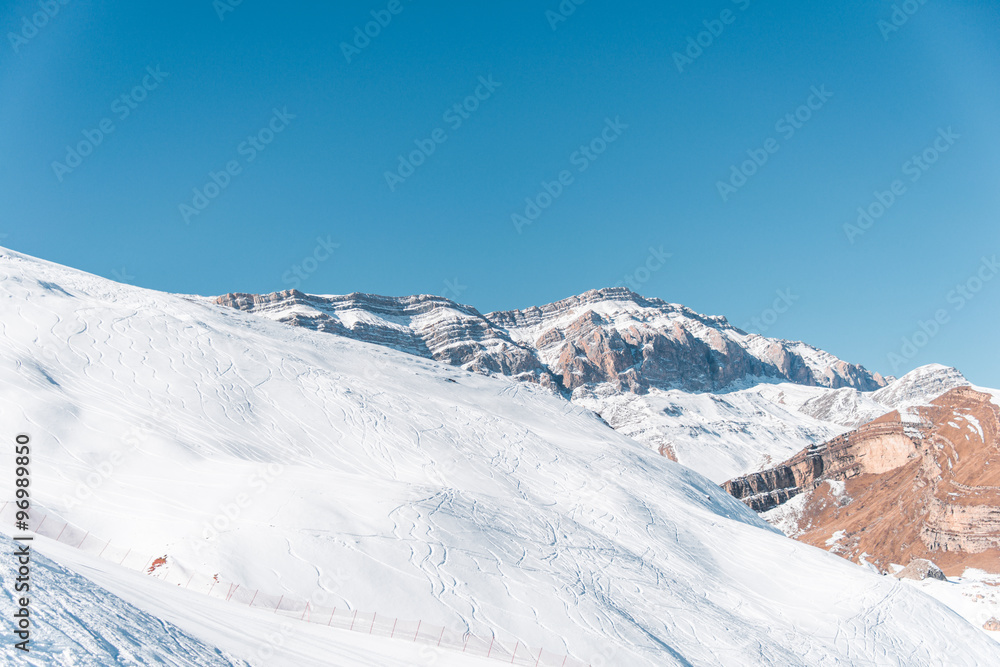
<point x="920" y="569"/>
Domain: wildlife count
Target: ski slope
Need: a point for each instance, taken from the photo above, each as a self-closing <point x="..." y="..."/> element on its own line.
<point x="285" y="459"/>
<point x="78" y="623"/>
<point x="95" y="614"/>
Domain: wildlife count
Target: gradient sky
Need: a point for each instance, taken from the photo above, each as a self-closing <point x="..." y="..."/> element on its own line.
<point x="447" y="228"/>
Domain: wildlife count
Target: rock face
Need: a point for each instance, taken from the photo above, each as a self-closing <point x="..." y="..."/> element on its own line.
<point x="871" y="449"/>
<point x="616" y="337"/>
<point x="426" y="326"/>
<point x="920" y="569"/>
<point x="610" y="337"/>
<point x="993" y="624"/>
<point x="921" y="482"/>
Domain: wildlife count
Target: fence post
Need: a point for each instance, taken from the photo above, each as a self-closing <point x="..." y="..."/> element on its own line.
<point x="61" y="531"/>
<point x="353" y="618"/>
<point x="492" y="639"/>
<point x="331" y="616"/>
<point x="232" y="592"/>
<point x="372" y="626"/>
<point x="279" y="603"/>
<point x="39" y="523"/>
<point x="83" y="540"/>
<point x="305" y="610"/>
<point x="539" y="659"/>
<point x="516" y="646"/>
<point x="418" y="631"/>
<point x="254" y="597"/>
<point x="125" y="556"/>
<point x="441" y="637"/>
<point x="393" y="628"/>
<point x="106" y="545"/>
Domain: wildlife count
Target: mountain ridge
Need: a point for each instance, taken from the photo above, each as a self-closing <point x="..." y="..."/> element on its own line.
<point x="609" y="335"/>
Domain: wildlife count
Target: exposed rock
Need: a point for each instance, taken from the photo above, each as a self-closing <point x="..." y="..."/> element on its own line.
<point x="926" y="487"/>
<point x="602" y="337"/>
<point x="920" y="569"/>
<point x="993" y="624"/>
<point x="634" y="343"/>
<point x="871" y="449"/>
<point x="426" y="326"/>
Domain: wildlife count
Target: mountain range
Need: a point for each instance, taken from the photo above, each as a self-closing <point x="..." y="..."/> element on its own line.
<point x="412" y="458"/>
<point x="691" y="386"/>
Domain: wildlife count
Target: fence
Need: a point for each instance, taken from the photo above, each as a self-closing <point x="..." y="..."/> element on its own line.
<point x="508" y="650"/>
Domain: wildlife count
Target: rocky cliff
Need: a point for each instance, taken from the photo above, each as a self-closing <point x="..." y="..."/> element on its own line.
<point x="426" y="326"/>
<point x="610" y="337"/>
<point x="922" y="482"/>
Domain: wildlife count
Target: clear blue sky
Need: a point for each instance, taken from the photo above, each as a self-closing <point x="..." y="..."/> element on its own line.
<point x="117" y="212"/>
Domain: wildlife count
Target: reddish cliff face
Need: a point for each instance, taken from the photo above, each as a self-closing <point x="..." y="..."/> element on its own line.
<point x="892" y="490"/>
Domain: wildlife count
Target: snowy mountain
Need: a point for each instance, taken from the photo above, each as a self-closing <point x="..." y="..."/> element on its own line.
<point x="689" y="386"/>
<point x="271" y="455"/>
<point x="852" y="408"/>
<point x="610" y="336"/>
<point x="730" y="433"/>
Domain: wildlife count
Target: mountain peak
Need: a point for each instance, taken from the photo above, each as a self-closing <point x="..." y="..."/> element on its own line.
<point x="916" y="386"/>
<point x="610" y="337"/>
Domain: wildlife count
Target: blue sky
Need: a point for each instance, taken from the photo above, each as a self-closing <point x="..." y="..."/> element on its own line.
<point x="619" y="142"/>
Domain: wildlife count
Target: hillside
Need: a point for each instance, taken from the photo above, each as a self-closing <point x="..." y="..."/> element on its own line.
<point x="468" y="501"/>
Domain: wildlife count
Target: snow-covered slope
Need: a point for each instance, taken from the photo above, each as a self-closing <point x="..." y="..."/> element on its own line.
<point x="77" y="623"/>
<point x="919" y="386"/>
<point x="428" y="326"/>
<point x="748" y="428"/>
<point x="463" y="500"/>
<point x="624" y="356"/>
<point x="93" y="613"/>
<point x="721" y="435"/>
<point x="849" y="407"/>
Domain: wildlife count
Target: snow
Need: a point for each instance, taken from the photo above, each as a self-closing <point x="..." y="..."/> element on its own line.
<point x="75" y="622"/>
<point x="919" y="387"/>
<point x="786" y="516"/>
<point x="463" y="500"/>
<point x="91" y="612"/>
<point x="719" y="435"/>
<point x="838" y="487"/>
<point x="760" y="423"/>
<point x="975" y="595"/>
<point x="974" y="425"/>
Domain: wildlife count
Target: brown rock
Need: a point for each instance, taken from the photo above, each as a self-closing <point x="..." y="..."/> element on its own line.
<point x="899" y="490"/>
<point x="920" y="569"/>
